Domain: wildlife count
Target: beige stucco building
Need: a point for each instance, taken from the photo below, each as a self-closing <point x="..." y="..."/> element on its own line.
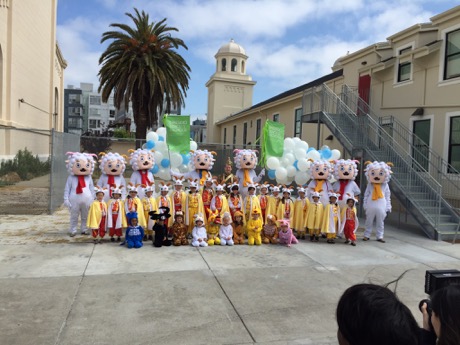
<point x="31" y="75"/>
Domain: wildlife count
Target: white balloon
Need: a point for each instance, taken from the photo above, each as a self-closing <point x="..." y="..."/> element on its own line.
<point x="300" y="153"/>
<point x="291" y="171"/>
<point x="176" y="160"/>
<point x="281" y="173"/>
<point x="282" y="181"/>
<point x="335" y="154"/>
<point x="324" y="147"/>
<point x="313" y="154"/>
<point x="296" y="140"/>
<point x="152" y="136"/>
<point x="164" y="174"/>
<point x="183" y="168"/>
<point x="301" y="178"/>
<point x="193" y="145"/>
<point x="303" y="145"/>
<point x="158" y="157"/>
<point x="162" y="131"/>
<point x="144" y="146"/>
<point x="302" y="164"/>
<point x="284" y="162"/>
<point x="289" y="144"/>
<point x="290" y="158"/>
<point x="273" y="163"/>
<point x="162" y="147"/>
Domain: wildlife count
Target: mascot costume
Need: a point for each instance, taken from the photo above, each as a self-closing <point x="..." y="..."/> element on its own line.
<point x="246" y="162"/>
<point x="112" y="167"/>
<point x="202" y="162"/>
<point x="141" y="161"/>
<point x="345" y="172"/>
<point x="321" y="172"/>
<point x="79" y="189"/>
<point x="377" y="197"/>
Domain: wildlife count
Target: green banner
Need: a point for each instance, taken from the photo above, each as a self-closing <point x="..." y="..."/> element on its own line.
<point x="273" y="140"/>
<point x="177" y="133"/>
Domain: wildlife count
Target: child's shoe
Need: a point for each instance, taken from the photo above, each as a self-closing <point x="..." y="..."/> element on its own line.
<point x="112" y="239"/>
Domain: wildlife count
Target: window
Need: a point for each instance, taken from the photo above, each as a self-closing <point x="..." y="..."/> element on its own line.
<point x="234" y="63"/>
<point x="224" y="65"/>
<point x="276" y="117"/>
<point x="225" y="136"/>
<point x="112" y="113"/>
<point x="94" y="123"/>
<point x="94" y="112"/>
<point x="258" y="127"/>
<point x="242" y="67"/>
<point x="404" y="68"/>
<point x="234" y="134"/>
<point x="454" y="143"/>
<point x="74" y="98"/>
<point x="75" y="122"/>
<point x="452" y="55"/>
<point x="95" y="100"/>
<point x="298" y="123"/>
<point x="74" y="111"/>
<point x="245" y="133"/>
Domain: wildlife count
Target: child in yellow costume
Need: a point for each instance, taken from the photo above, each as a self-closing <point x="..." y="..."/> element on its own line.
<point x="273" y="200"/>
<point x="150" y="204"/>
<point x="193" y="206"/>
<point x="116" y="219"/>
<point x="165" y="201"/>
<point x="254" y="228"/>
<point x="251" y="202"/>
<point x="331" y="219"/>
<point x="134" y="204"/>
<point x="299" y="220"/>
<point x="214" y="222"/>
<point x="315" y="217"/>
<point x="286" y="206"/>
<point x="219" y="202"/>
<point x="97" y="216"/>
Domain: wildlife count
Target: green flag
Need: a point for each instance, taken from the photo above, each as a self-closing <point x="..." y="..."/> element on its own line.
<point x="177" y="133"/>
<point x="273" y="140"/>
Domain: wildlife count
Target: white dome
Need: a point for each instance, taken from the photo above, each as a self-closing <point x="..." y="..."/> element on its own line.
<point x="231" y="47"/>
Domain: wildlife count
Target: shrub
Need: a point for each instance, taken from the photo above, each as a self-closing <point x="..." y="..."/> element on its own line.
<point x="122" y="133"/>
<point x="25" y="165"/>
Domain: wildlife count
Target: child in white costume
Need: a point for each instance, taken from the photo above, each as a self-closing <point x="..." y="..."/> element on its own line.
<point x="226" y="230"/>
<point x="112" y="167"/>
<point x="116" y="214"/>
<point x="79" y="189"/>
<point x="377" y="198"/>
<point x="199" y="235"/>
<point x="331" y="220"/>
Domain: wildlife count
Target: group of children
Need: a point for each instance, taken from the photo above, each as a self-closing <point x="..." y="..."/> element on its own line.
<point x="211" y="216"/>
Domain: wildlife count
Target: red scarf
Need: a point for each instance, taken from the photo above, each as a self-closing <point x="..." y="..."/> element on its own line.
<point x="81" y="184"/>
<point x="145" y="177"/>
<point x="343" y="184"/>
<point x="111" y="183"/>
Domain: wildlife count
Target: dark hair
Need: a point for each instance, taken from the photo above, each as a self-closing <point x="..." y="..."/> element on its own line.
<point x="372" y="314"/>
<point x="445" y="303"/>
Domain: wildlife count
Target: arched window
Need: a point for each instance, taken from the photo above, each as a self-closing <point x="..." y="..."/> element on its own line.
<point x="242" y="67"/>
<point x="224" y="65"/>
<point x="234" y="63"/>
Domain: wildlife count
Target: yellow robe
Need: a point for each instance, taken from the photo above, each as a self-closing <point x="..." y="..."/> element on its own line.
<point x="150" y="204"/>
<point x="250" y="203"/>
<point x="182" y="197"/>
<point x="224" y="202"/>
<point x="139" y="208"/>
<point x="315" y="215"/>
<point x="254" y="227"/>
<point x="282" y="209"/>
<point x="193" y="205"/>
<point x="272" y="206"/>
<point x="331" y="219"/>
<point x="95" y="214"/>
<point x="299" y="221"/>
<point x="166" y="201"/>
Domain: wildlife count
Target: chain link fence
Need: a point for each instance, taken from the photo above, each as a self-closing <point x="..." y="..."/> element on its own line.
<point x="32" y="169"/>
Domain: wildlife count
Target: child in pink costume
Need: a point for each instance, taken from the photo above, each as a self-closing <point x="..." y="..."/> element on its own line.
<point x="285" y="234"/>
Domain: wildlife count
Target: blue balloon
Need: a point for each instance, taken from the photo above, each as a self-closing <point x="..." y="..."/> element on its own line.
<point x="295" y="165"/>
<point x="161" y="138"/>
<point x="271" y="174"/>
<point x="165" y="162"/>
<point x="310" y="149"/>
<point x="326" y="153"/>
<point x="185" y="158"/>
<point x="155" y="169"/>
<point x="150" y="144"/>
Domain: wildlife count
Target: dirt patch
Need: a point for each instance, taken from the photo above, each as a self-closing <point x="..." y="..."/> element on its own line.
<point x="17" y="200"/>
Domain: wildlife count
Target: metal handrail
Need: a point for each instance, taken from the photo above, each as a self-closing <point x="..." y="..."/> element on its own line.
<point x="410" y="144"/>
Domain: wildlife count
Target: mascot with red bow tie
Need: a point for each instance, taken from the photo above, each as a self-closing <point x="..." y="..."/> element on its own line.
<point x="112" y="167"/>
<point x="141" y="161"/>
<point x="79" y="189"/>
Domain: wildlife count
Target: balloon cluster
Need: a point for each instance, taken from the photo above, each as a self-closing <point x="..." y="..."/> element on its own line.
<point x="294" y="165"/>
<point x="166" y="160"/>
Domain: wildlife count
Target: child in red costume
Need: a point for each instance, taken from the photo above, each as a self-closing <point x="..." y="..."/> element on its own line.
<point x="349" y="221"/>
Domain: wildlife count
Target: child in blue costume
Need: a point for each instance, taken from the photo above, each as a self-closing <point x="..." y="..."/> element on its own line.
<point x="134" y="232"/>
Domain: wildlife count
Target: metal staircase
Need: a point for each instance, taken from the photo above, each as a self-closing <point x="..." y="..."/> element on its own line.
<point x="418" y="191"/>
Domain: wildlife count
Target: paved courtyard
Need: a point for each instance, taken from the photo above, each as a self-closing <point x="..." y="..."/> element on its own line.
<point x="60" y="290"/>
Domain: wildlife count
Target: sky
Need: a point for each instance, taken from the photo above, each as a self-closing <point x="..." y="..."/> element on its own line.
<point x="288" y="42"/>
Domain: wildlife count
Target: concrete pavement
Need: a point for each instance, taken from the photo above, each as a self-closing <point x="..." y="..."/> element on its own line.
<point x="60" y="290"/>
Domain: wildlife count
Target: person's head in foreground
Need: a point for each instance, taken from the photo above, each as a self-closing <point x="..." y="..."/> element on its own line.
<point x="369" y="314"/>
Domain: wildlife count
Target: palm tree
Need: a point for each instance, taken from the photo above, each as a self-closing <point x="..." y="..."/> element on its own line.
<point x="141" y="65"/>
